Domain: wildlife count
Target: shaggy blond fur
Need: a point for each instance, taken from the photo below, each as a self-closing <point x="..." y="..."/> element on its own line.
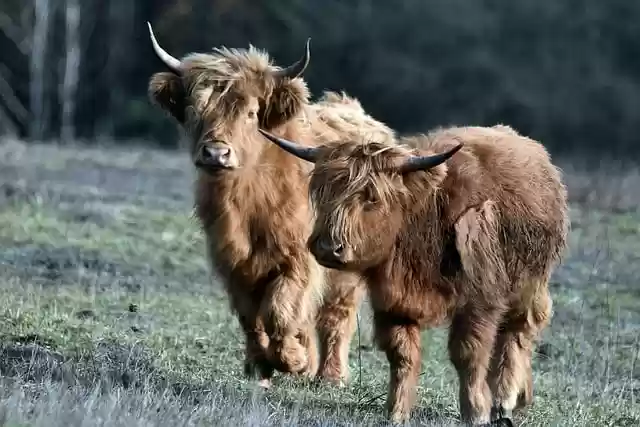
<point x="257" y="217"/>
<point x="471" y="242"/>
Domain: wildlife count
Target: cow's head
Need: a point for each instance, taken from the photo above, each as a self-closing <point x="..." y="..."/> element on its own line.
<point x="361" y="192"/>
<point x="221" y="98"/>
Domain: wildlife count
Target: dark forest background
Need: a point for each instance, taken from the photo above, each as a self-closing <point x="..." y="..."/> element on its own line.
<point x="565" y="72"/>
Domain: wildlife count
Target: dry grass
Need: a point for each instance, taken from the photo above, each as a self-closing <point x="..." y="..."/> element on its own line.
<point x="108" y="316"/>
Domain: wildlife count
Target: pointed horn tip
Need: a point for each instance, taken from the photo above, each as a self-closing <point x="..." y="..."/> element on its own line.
<point x="448" y="154"/>
<point x="307" y="50"/>
<point x="457" y="148"/>
<point x="415" y="163"/>
<point x="296" y="69"/>
<point x="172" y="63"/>
<point x="150" y="29"/>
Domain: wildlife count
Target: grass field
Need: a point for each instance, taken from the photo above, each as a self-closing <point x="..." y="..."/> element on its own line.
<point x="108" y="315"/>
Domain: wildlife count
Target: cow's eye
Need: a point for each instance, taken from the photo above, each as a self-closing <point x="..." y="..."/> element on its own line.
<point x="370" y="196"/>
<point x="252" y="114"/>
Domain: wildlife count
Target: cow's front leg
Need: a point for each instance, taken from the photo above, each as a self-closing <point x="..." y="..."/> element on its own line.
<point x="256" y="363"/>
<point x="308" y="339"/>
<point x="286" y="316"/>
<point x="337" y="324"/>
<point x="401" y="343"/>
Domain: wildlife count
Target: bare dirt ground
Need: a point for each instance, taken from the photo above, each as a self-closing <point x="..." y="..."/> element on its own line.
<point x="108" y="315"/>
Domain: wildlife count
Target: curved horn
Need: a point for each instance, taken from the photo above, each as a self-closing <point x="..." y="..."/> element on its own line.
<point x="296" y="69"/>
<point x="416" y="163"/>
<point x="305" y="153"/>
<point x="172" y="63"/>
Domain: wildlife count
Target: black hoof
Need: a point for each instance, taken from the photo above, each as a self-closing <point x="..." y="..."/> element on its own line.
<point x="501" y="417"/>
<point x="249" y="369"/>
<point x="502" y="422"/>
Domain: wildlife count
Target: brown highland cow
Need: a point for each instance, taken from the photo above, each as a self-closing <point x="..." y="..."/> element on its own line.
<point x="470" y="242"/>
<point x="252" y="201"/>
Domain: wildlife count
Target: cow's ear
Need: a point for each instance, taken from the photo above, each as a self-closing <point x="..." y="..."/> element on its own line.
<point x="287" y="100"/>
<point x="167" y="91"/>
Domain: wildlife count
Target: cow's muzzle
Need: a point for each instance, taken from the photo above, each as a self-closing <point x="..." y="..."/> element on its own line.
<point x="216" y="156"/>
<point x="329" y="253"/>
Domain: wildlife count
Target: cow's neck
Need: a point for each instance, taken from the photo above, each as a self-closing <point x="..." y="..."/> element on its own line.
<point x="419" y="246"/>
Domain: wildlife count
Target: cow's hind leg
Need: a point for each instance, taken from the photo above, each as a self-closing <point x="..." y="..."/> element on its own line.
<point x="471" y="339"/>
<point x="511" y="377"/>
<point x="400" y="340"/>
<point x="336" y="324"/>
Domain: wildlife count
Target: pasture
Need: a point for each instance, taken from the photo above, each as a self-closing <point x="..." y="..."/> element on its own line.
<point x="109" y="317"/>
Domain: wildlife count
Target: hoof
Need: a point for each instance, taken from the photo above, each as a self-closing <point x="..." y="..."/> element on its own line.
<point x="500" y="422"/>
<point x="498" y="414"/>
<point x="249" y="369"/>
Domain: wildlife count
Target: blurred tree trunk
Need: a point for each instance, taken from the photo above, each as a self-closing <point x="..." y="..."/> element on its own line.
<point x="120" y="24"/>
<point x="43" y="13"/>
<point x="71" y="77"/>
<point x="12" y="111"/>
<point x="16" y="31"/>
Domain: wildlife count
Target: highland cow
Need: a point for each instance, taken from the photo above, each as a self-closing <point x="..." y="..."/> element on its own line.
<point x="461" y="226"/>
<point x="251" y="200"/>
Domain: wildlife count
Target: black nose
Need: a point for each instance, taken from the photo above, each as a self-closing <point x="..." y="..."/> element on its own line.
<point x="328" y="247"/>
<point x="205" y="153"/>
<point x="225" y="152"/>
<point x="338" y="249"/>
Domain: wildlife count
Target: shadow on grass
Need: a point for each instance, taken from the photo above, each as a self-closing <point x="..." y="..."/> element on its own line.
<point x="116" y="385"/>
<point x="31" y="358"/>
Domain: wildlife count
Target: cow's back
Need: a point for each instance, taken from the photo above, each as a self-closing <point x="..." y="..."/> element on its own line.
<point x="514" y="172"/>
<point x="340" y="117"/>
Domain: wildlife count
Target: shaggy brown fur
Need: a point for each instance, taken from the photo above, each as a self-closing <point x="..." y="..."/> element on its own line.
<point x="256" y="214"/>
<point x="471" y="242"/>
